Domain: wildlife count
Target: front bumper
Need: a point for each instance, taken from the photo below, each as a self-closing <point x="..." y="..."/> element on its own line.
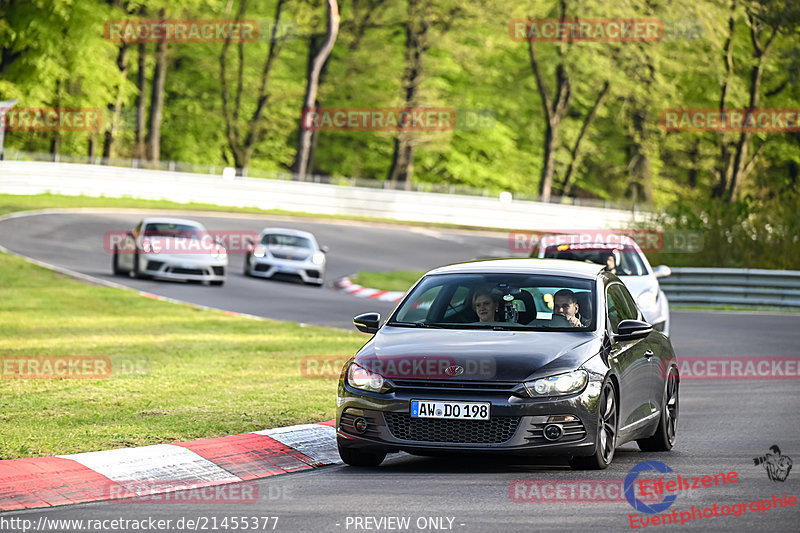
<point x="185" y="270"/>
<point x="516" y="426"/>
<point x="268" y="267"/>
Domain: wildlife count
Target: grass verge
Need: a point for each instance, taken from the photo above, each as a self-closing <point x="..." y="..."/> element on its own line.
<point x="398" y="280"/>
<point x="13" y="202"/>
<point x="178" y="372"/>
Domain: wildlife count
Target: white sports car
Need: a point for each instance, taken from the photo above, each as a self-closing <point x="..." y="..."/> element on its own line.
<point x="169" y="248"/>
<point x="623" y="256"/>
<point x="287" y="253"/>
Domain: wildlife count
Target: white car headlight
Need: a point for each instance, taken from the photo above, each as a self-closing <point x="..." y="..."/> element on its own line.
<point x="260" y="251"/>
<point x="560" y="384"/>
<point x="220" y="253"/>
<point x="648" y="298"/>
<point x="318" y="258"/>
<point x="361" y="378"/>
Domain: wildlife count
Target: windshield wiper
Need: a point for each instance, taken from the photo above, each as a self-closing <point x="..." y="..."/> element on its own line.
<point x="415" y="324"/>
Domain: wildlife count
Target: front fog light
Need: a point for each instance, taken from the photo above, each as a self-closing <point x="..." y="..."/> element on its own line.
<point x="561" y="384"/>
<point x="361" y="378"/>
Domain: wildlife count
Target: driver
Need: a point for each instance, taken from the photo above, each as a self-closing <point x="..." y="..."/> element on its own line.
<point x="566" y="305"/>
<point x="485" y="304"/>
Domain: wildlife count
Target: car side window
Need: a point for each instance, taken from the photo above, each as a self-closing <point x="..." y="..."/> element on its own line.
<point x="619" y="306"/>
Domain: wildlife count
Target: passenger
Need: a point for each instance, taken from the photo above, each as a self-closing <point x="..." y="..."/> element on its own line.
<point x="611" y="263"/>
<point x="485" y="303"/>
<point x="566" y="305"/>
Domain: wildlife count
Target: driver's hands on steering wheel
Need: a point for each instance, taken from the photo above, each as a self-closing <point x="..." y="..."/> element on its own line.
<point x="573" y="320"/>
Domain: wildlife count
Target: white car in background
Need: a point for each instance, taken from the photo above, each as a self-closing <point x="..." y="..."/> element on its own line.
<point x="631" y="265"/>
<point x="169" y="248"/>
<point x="287" y="253"/>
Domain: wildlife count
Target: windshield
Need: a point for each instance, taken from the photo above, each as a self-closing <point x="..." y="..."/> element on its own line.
<point x="499" y="301"/>
<point x="287" y="240"/>
<point x="624" y="258"/>
<point x="166" y="229"/>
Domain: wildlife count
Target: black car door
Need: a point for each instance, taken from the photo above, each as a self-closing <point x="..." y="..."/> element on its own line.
<point x="631" y="357"/>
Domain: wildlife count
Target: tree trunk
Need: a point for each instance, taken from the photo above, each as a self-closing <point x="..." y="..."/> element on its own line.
<point x="417" y="26"/>
<point x="725" y="167"/>
<point x="304" y="137"/>
<point x="115" y="108"/>
<point x="157" y="101"/>
<point x="576" y="153"/>
<point x="141" y="102"/>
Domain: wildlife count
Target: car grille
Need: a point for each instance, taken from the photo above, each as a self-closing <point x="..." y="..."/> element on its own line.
<point x="497" y="430"/>
<point x="154" y="265"/>
<point x="189" y="271"/>
<point x="572" y="431"/>
<point x="262" y="267"/>
<point x="312" y="273"/>
<point x="290" y="257"/>
<point x="219" y="271"/>
<point x="427" y="385"/>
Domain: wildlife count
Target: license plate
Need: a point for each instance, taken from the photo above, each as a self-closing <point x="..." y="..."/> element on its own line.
<point x="457" y="410"/>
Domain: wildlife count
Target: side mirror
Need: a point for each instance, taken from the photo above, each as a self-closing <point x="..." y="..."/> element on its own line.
<point x="629" y="330"/>
<point x="368" y="322"/>
<point x="324" y="249"/>
<point x="248" y="244"/>
<point x="662" y="271"/>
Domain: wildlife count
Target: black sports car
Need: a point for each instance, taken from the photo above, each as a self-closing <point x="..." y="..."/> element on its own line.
<point x="518" y="356"/>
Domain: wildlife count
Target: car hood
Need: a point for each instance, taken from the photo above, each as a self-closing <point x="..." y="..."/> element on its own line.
<point x="405" y="353"/>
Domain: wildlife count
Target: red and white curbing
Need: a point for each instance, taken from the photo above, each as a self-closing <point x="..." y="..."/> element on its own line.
<point x="345" y="285"/>
<point x="93" y="476"/>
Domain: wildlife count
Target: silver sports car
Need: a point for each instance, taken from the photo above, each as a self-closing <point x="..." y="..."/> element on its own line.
<point x="169" y="248"/>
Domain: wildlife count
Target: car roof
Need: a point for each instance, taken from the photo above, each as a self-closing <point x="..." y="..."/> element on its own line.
<point x="171" y="220"/>
<point x="288" y="231"/>
<point x="551" y="267"/>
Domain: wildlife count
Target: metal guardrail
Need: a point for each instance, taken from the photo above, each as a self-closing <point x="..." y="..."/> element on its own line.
<point x="743" y="287"/>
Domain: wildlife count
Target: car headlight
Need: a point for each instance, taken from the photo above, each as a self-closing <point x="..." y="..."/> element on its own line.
<point x="318" y="258"/>
<point x="220" y="253"/>
<point x="560" y="384"/>
<point x="648" y="298"/>
<point x="361" y="378"/>
<point x="150" y="248"/>
<point x="260" y="251"/>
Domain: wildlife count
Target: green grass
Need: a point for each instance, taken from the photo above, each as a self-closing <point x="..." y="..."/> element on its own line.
<point x="13" y="202"/>
<point x="398" y="280"/>
<point x="179" y="372"/>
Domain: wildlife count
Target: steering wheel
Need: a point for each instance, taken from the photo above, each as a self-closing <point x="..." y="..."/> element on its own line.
<point x="559" y="321"/>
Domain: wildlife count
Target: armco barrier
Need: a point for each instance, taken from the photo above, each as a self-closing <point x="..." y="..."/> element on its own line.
<point x="733" y="286"/>
<point x="25" y="177"/>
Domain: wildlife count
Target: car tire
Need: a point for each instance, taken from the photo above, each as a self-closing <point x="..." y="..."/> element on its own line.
<point x="115" y="262"/>
<point x="247" y="265"/>
<point x="356" y="457"/>
<point x="664" y="438"/>
<point x="135" y="270"/>
<point x="607" y="427"/>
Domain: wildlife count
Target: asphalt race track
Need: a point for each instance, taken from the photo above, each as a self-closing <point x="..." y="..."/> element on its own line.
<point x="723" y="424"/>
